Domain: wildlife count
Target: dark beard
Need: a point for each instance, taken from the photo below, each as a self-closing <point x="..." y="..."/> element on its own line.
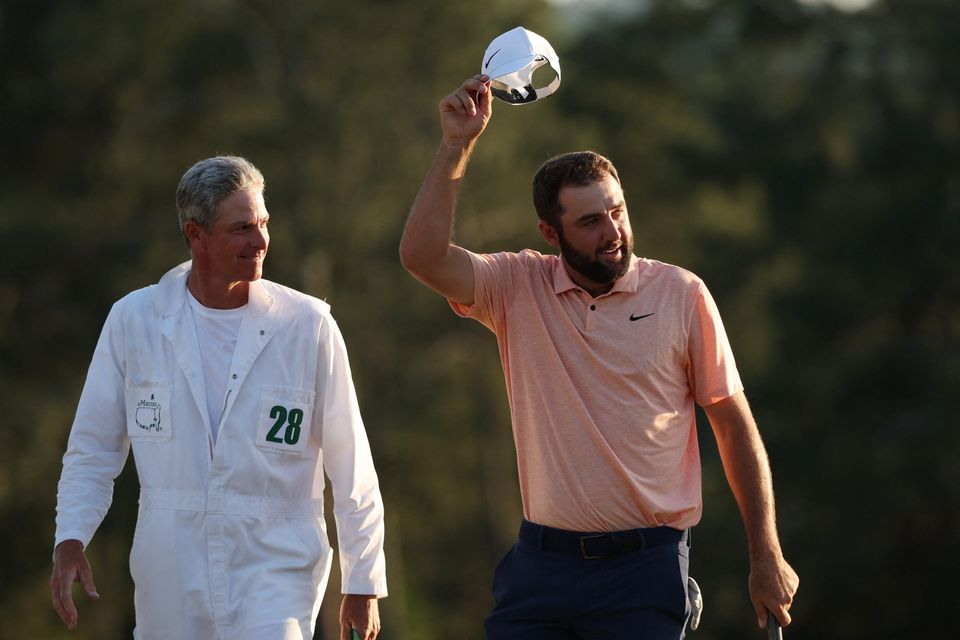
<point x="593" y="269"/>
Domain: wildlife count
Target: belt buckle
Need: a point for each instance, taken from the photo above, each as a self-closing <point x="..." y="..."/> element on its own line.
<point x="583" y="548"/>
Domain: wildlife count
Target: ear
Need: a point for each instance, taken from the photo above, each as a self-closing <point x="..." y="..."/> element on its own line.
<point x="195" y="234"/>
<point x="549" y="234"/>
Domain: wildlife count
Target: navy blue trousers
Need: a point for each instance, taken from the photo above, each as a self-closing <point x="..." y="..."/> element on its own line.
<point x="542" y="594"/>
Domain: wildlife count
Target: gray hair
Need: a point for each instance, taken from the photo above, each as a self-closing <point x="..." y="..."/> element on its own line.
<point x="205" y="185"/>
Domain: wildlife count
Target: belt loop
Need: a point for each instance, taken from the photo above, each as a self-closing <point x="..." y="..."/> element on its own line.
<point x="540" y="530"/>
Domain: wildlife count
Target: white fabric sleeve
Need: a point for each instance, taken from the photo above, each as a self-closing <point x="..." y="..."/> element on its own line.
<point x="98" y="444"/>
<point x="348" y="462"/>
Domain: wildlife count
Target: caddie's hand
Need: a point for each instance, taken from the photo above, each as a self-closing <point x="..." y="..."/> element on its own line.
<point x="773" y="583"/>
<point x="70" y="565"/>
<point x="464" y="114"/>
<point x="360" y="612"/>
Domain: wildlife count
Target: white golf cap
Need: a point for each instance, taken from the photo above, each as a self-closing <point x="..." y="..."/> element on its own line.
<point x="510" y="61"/>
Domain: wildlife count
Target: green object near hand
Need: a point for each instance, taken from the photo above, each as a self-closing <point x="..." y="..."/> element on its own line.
<point x="355" y="635"/>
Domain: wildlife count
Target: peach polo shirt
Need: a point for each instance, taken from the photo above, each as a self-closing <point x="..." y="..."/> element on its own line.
<point x="602" y="390"/>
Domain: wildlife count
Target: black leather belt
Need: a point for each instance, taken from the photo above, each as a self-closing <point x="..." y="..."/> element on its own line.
<point x="597" y="545"/>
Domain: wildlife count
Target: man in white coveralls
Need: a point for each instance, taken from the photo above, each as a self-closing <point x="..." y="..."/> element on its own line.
<point x="235" y="394"/>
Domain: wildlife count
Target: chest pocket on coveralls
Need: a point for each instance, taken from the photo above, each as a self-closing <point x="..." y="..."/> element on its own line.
<point x="284" y="421"/>
<point x="148" y="411"/>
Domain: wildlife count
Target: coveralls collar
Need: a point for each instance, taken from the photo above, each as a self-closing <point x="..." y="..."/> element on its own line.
<point x="173" y="292"/>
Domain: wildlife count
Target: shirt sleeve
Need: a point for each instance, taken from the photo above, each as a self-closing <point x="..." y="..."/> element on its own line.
<point x="98" y="444"/>
<point x="712" y="371"/>
<point x="348" y="462"/>
<point x="492" y="276"/>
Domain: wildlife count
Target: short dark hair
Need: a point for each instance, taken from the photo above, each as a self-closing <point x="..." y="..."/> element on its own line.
<point x="577" y="168"/>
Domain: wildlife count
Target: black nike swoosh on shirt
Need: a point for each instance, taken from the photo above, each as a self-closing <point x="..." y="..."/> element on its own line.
<point x="634" y="318"/>
<point x="491" y="58"/>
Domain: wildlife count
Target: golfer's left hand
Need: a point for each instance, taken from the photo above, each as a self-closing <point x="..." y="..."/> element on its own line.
<point x="362" y="613"/>
<point x="773" y="583"/>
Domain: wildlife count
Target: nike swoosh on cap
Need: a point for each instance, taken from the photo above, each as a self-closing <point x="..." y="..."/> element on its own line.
<point x="487" y="65"/>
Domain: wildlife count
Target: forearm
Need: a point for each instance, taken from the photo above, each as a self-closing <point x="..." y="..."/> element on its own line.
<point x="429" y="227"/>
<point x="426" y="250"/>
<point x="773" y="582"/>
<point x="747" y="469"/>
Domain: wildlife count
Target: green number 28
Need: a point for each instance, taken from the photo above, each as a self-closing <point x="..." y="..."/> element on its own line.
<point x="292" y="419"/>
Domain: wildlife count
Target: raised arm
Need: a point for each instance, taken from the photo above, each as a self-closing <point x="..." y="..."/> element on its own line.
<point x="426" y="250"/>
<point x="772" y="582"/>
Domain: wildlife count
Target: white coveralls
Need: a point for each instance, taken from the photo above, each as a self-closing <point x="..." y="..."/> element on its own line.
<point x="230" y="540"/>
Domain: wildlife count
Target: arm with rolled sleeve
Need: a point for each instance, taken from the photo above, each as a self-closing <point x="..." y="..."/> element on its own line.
<point x="358" y="507"/>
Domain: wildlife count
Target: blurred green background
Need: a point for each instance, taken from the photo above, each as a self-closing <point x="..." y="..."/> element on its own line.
<point x="803" y="158"/>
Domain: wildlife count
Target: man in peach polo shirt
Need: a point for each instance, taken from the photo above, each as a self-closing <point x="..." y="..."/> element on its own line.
<point x="604" y="356"/>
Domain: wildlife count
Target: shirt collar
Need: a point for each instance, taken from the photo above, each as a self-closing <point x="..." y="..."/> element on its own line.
<point x="626" y="283"/>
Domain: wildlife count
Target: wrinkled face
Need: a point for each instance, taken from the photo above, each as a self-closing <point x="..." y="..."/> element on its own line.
<point x="236" y="246"/>
<point x="594" y="238"/>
